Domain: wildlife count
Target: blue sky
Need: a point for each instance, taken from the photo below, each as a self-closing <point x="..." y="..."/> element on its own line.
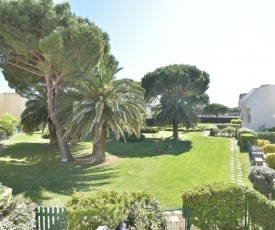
<point x="232" y="40"/>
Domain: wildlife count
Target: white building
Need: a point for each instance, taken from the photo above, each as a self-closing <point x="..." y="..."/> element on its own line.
<point x="258" y="108"/>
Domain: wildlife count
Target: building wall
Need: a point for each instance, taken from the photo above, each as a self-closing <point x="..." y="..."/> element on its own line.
<point x="13" y="104"/>
<point x="260" y="108"/>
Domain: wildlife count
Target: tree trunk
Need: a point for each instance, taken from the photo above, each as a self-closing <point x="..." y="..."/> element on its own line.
<point x="63" y="146"/>
<point x="99" y="145"/>
<point x="53" y="136"/>
<point x="175" y="130"/>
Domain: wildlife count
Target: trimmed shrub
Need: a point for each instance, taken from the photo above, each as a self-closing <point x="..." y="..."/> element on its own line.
<point x="244" y="137"/>
<point x="88" y="211"/>
<point x="214" y="131"/>
<point x="268" y="148"/>
<point x="270" y="159"/>
<point x="244" y="130"/>
<point x="261" y="142"/>
<point x="223" y="126"/>
<point x="236" y="121"/>
<point x="270" y="136"/>
<point x="222" y="206"/>
<point x="262" y="179"/>
<point x="46" y="134"/>
<point x="215" y="206"/>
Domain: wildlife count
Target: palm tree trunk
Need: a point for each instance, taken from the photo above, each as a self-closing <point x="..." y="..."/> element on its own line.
<point x="99" y="145"/>
<point x="63" y="146"/>
<point x="175" y="130"/>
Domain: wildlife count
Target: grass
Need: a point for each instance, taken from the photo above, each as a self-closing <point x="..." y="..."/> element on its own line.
<point x="32" y="167"/>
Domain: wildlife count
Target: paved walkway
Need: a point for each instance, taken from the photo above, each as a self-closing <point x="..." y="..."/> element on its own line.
<point x="236" y="174"/>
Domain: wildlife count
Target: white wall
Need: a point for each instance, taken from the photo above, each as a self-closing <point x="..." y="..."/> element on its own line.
<point x="13" y="104"/>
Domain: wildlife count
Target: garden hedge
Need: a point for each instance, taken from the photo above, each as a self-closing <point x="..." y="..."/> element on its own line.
<point x="270" y="136"/>
<point x="222" y="206"/>
<point x="244" y="137"/>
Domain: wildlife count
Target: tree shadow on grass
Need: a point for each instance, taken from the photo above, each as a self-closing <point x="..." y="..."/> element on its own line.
<point x="33" y="168"/>
<point x="150" y="147"/>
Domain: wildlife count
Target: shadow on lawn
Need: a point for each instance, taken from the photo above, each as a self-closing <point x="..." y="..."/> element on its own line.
<point x="147" y="148"/>
<point x="33" y="168"/>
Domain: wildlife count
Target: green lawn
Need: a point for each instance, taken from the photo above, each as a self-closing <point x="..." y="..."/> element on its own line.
<point x="32" y="167"/>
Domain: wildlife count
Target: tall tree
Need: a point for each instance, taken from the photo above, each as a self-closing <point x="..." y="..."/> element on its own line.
<point x="215" y="109"/>
<point x="99" y="102"/>
<point x="36" y="114"/>
<point x="49" y="42"/>
<point x="180" y="90"/>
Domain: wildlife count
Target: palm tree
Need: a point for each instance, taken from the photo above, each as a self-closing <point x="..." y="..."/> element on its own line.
<point x="99" y="102"/>
<point x="176" y="110"/>
<point x="36" y="114"/>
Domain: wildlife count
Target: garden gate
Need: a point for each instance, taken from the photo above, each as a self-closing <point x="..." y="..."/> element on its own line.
<point x="48" y="218"/>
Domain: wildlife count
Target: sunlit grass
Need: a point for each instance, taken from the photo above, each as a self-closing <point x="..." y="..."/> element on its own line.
<point x="32" y="167"/>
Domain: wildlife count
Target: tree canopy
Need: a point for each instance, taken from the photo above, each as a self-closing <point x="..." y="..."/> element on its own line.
<point x="215" y="109"/>
<point x="41" y="40"/>
<point x="180" y="90"/>
<point x="100" y="102"/>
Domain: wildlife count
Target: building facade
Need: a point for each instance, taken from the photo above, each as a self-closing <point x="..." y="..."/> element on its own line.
<point x="258" y="108"/>
<point x="13" y="104"/>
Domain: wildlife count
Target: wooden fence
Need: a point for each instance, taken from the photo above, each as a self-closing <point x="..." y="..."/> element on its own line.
<point x="48" y="218"/>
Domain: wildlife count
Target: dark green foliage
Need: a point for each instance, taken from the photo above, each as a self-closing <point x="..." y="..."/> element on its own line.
<point x="244" y="137"/>
<point x="149" y="130"/>
<point x="132" y="138"/>
<point x="262" y="179"/>
<point x="215" y="109"/>
<point x="181" y="89"/>
<point x="17" y="213"/>
<point x="271" y="129"/>
<point x="88" y="211"/>
<point x="215" y="205"/>
<point x="270" y="136"/>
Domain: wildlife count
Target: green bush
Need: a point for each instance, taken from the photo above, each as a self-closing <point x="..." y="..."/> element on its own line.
<point x="268" y="148"/>
<point x="270" y="159"/>
<point x="244" y="130"/>
<point x="132" y="138"/>
<point x="229" y="131"/>
<point x="244" y="137"/>
<point x="215" y="206"/>
<point x="262" y="179"/>
<point x="236" y="121"/>
<point x="270" y="136"/>
<point x="88" y="211"/>
<point x="46" y="134"/>
<point x="261" y="142"/>
<point x="271" y="129"/>
<point x="222" y="206"/>
<point x="17" y="214"/>
<point x="223" y="126"/>
<point x="8" y="123"/>
<point x="214" y="131"/>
